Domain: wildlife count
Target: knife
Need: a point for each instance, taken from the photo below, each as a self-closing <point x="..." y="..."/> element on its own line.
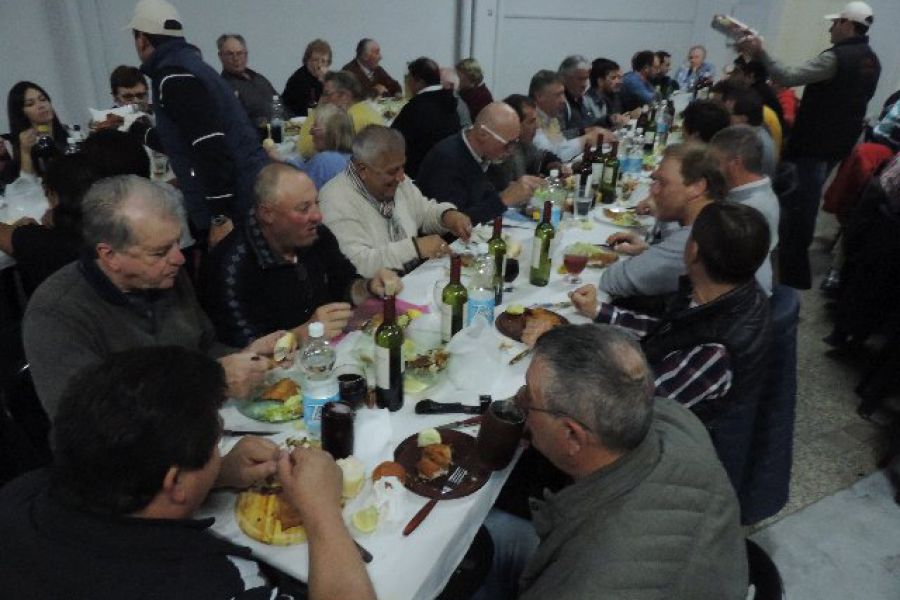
<point x="430" y="407"/>
<point x="247" y="432"/>
<point x="552" y="305"/>
<point x="520" y="356"/>
<point x="464" y="423"/>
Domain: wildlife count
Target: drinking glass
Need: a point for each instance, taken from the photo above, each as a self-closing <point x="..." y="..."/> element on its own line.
<point x="510" y="273"/>
<point x="501" y="431"/>
<point x="575" y="259"/>
<point x="337" y="429"/>
<point x="583" y="207"/>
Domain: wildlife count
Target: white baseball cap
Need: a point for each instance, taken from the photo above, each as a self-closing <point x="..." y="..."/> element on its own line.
<point x="156" y="17"/>
<point x="858" y="12"/>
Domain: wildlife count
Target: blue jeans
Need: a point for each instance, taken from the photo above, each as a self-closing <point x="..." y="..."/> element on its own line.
<point x="798" y="221"/>
<point x="515" y="541"/>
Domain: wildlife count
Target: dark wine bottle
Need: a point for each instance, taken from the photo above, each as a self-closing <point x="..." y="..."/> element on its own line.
<point x="389" y="364"/>
<point x="44" y="150"/>
<point x="453" y="301"/>
<point x="610" y="175"/>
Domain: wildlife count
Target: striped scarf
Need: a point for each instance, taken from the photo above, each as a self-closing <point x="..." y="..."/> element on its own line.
<point x="385" y="209"/>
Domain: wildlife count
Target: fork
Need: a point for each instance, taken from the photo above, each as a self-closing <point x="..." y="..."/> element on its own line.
<point x="452" y="482"/>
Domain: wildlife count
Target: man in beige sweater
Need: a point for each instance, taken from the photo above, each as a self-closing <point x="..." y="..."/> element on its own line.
<point x="379" y="217"/>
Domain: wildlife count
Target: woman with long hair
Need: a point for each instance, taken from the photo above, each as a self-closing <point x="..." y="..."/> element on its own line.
<point x="28" y="106"/>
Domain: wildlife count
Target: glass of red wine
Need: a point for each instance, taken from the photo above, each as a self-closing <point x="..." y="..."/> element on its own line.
<point x="510" y="273"/>
<point x="575" y="260"/>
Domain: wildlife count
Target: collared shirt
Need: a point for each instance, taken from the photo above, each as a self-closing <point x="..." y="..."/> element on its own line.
<point x="370" y="73"/>
<point x="549" y="137"/>
<point x="689" y="375"/>
<point x="580" y="113"/>
<point x="687" y="79"/>
<point x="482" y="162"/>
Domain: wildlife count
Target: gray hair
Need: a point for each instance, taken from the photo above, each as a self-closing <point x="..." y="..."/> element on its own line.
<point x="375" y="140"/>
<point x="699" y="47"/>
<point x="472" y="69"/>
<point x="336" y="125"/>
<point x="541" y="80"/>
<point x="740" y="141"/>
<point x="597" y="374"/>
<point x="230" y="36"/>
<point x="573" y="63"/>
<point x="103" y="221"/>
<point x="265" y="188"/>
<point x="345" y="81"/>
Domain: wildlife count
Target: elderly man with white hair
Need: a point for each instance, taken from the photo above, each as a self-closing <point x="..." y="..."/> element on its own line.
<point x="581" y="110"/>
<point x="377" y="214"/>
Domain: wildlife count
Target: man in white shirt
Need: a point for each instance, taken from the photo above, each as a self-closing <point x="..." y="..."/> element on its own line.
<point x="376" y="212"/>
<point x="740" y="154"/>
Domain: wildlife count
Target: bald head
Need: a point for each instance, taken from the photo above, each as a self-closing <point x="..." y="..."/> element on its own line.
<point x="275" y="177"/>
<point x="287" y="208"/>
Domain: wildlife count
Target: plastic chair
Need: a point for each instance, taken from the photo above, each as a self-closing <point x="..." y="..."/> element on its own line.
<point x="764" y="575"/>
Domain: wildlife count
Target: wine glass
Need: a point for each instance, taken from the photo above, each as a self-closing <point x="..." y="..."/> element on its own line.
<point x="510" y="272"/>
<point x="575" y="259"/>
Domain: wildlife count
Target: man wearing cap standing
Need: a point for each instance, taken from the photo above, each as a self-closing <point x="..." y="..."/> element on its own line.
<point x="839" y="84"/>
<point x="213" y="148"/>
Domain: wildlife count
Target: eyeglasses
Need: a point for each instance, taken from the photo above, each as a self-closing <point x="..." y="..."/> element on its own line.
<point x="506" y="143"/>
<point x="237" y="54"/>
<point x="523" y="401"/>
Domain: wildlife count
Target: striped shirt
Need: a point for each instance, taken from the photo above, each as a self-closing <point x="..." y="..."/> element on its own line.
<point x="687" y="375"/>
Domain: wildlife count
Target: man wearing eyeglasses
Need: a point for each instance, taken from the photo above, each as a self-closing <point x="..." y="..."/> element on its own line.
<point x="650" y="507"/>
<point x="839" y="84"/>
<point x="251" y="88"/>
<point x="455" y="170"/>
<point x="129" y="87"/>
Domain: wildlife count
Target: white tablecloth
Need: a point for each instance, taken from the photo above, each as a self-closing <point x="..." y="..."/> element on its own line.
<point x="418" y="566"/>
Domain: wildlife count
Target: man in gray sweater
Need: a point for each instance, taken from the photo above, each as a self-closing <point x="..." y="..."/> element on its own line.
<point x="687" y="179"/>
<point x="127" y="291"/>
<point x="650" y="514"/>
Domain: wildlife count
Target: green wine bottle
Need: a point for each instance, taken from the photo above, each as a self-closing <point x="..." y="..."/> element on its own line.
<point x="497" y="250"/>
<point x="610" y="175"/>
<point x="389" y="364"/>
<point x="540" y="248"/>
<point x="453" y="301"/>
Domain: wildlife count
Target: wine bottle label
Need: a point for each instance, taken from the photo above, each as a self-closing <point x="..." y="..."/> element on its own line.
<point x="447" y="329"/>
<point x="536" y="254"/>
<point x="383" y="367"/>
<point x="608" y="175"/>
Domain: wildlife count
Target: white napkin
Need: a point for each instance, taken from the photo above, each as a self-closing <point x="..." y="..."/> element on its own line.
<point x="477" y="358"/>
<point x="129" y="113"/>
<point x="372" y="433"/>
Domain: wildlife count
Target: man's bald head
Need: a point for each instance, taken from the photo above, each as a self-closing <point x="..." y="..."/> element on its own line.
<point x="273" y="178"/>
<point x="496" y="128"/>
<point x="287" y="208"/>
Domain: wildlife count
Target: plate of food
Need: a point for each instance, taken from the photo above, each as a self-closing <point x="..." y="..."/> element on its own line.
<point x="598" y="255"/>
<point x="276" y="403"/>
<point x="618" y="216"/>
<point x="513" y="320"/>
<point x="429" y="456"/>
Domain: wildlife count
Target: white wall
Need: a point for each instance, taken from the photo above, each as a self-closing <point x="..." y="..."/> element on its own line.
<point x="70" y="46"/>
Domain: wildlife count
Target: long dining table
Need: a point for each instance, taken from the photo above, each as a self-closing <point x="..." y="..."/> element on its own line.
<point x="418" y="566"/>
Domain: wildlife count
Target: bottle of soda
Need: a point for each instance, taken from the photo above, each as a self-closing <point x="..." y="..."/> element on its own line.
<point x="276" y="123"/>
<point x="44" y="150"/>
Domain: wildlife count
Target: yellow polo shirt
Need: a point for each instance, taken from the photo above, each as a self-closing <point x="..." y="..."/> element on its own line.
<point x="361" y="113"/>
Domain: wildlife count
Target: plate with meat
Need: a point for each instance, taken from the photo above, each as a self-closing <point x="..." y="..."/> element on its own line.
<point x="428" y="464"/>
<point x="513" y="320"/>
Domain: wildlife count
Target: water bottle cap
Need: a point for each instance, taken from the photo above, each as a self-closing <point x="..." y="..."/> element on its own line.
<point x="554" y="172"/>
<point x="316" y="330"/>
<point x="70" y="140"/>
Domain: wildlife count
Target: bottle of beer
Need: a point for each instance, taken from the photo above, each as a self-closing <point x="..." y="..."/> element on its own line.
<point x="453" y="301"/>
<point x="389" y="364"/>
<point x="540" y="249"/>
<point x="610" y="175"/>
<point x="497" y="250"/>
<point x="44" y="150"/>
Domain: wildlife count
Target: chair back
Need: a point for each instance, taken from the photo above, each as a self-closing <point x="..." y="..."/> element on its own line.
<point x="764" y="488"/>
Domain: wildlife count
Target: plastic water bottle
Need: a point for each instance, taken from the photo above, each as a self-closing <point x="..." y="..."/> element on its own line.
<point x="317" y="361"/>
<point x="556" y="193"/>
<point x="481" y="290"/>
<point x="276" y="123"/>
<point x="71" y="147"/>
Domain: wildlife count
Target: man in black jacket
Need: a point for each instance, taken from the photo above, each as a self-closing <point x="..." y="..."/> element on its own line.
<point x="455" y="169"/>
<point x="211" y="144"/>
<point x="839" y="84"/>
<point x="137" y="443"/>
<point x="429" y="116"/>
